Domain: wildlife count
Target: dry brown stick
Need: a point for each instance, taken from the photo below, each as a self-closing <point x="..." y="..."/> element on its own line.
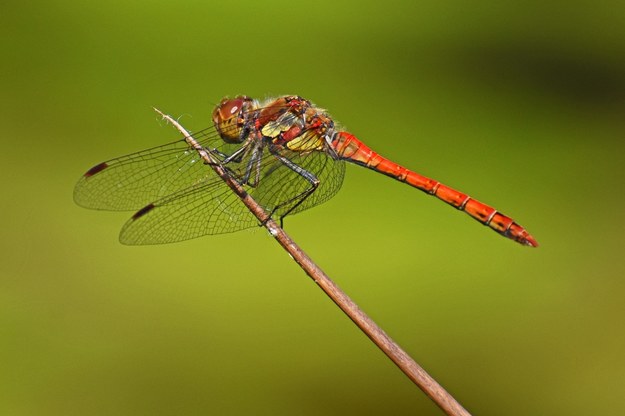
<point x="413" y="370"/>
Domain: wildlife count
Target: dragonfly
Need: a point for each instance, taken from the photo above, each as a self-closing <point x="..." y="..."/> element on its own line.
<point x="288" y="154"/>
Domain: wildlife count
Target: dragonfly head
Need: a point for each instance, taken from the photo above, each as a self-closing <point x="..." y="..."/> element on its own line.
<point x="229" y="118"/>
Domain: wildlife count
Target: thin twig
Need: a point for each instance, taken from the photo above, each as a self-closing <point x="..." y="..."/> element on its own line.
<point x="413" y="370"/>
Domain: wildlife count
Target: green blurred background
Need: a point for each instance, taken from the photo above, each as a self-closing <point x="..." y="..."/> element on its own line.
<point x="520" y="105"/>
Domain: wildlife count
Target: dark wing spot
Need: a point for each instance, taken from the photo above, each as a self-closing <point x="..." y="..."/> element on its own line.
<point x="96" y="169"/>
<point x="143" y="211"/>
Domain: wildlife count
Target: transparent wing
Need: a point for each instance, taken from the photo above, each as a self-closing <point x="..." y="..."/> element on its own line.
<point x="210" y="207"/>
<point x="132" y="181"/>
<point x="204" y="208"/>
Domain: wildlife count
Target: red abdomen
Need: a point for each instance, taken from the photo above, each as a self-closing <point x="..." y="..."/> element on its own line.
<point x="349" y="148"/>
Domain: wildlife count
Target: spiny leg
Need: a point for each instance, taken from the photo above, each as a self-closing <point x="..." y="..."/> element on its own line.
<point x="254" y="165"/>
<point x="301" y="197"/>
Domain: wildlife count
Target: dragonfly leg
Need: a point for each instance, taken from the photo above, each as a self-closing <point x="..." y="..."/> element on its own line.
<point x="225" y="158"/>
<point x="253" y="166"/>
<point x="236" y="157"/>
<point x="298" y="199"/>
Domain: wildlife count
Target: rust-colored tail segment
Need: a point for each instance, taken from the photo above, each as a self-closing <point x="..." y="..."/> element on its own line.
<point x="353" y="150"/>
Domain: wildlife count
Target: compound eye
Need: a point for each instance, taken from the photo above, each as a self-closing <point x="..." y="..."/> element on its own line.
<point x="228" y="118"/>
<point x="230" y="108"/>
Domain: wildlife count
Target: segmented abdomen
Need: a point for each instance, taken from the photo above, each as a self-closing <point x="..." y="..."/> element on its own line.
<point x="349" y="148"/>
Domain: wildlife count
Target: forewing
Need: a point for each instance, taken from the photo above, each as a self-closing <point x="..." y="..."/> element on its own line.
<point x="132" y="181"/>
